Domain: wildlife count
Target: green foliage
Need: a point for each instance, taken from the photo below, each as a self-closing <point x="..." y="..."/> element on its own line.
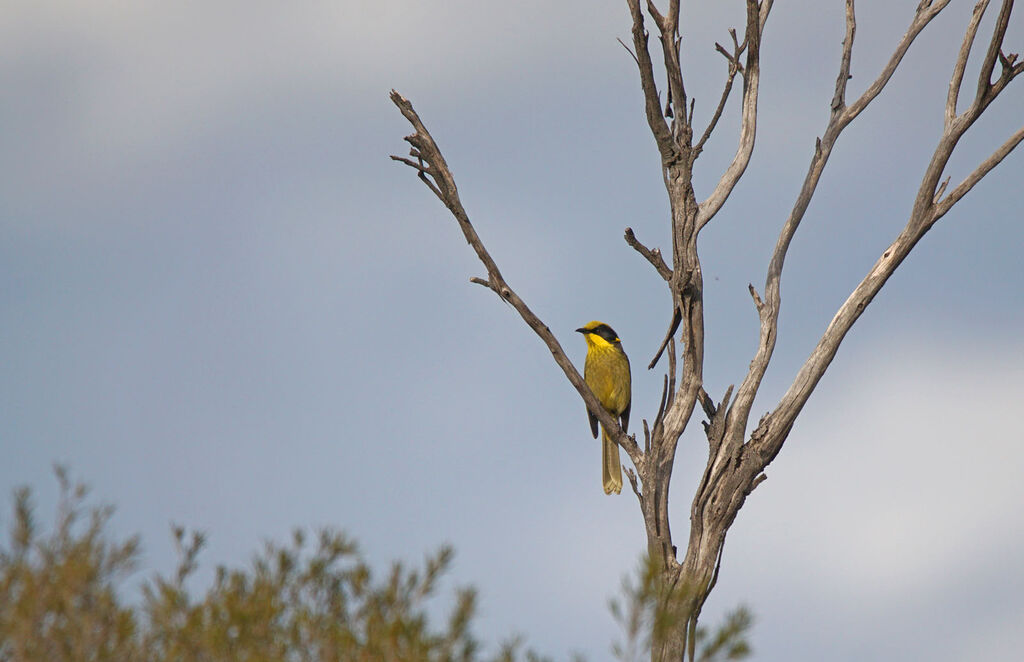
<point x="305" y="601"/>
<point x="58" y="598"/>
<point x="729" y="641"/>
<point x="299" y="604"/>
<point x="308" y="601"/>
<point x="650" y="610"/>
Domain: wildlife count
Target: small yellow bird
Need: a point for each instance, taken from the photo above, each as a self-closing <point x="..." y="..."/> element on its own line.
<point x="606" y="372"/>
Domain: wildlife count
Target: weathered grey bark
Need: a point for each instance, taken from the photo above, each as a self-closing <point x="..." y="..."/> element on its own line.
<point x="736" y="459"/>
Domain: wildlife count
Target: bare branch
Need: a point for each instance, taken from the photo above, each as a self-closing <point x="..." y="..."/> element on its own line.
<point x="736" y="46"/>
<point x="662" y="135"/>
<point x="671" y="369"/>
<point x="715" y="431"/>
<point x="757" y="299"/>
<point x="733" y="60"/>
<point x="409" y="162"/>
<point x="927" y="209"/>
<point x="740" y="411"/>
<point x="961" y="61"/>
<point x="437" y="169"/>
<point x="423" y="172"/>
<point x="989" y="63"/>
<point x="670" y="46"/>
<point x="632" y="482"/>
<point x="659" y="19"/>
<point x="757" y="14"/>
<point x="676" y="318"/>
<point x="926" y="11"/>
<point x="629" y="50"/>
<point x="706" y="403"/>
<point x="924" y="210"/>
<point x="839" y="99"/>
<point x="734" y="66"/>
<point x="660" y="414"/>
<point x="718" y="566"/>
<point x="766" y="7"/>
<point x="983" y="169"/>
<point x="774" y="428"/>
<point x="653" y="256"/>
<point x="443" y="182"/>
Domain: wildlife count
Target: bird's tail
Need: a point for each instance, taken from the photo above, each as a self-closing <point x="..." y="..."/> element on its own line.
<point x="611" y="468"/>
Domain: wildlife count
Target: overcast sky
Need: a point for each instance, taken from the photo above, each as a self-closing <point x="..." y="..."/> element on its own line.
<point x="221" y="305"/>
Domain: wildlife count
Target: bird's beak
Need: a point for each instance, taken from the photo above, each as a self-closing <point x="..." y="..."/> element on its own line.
<point x="581" y="330"/>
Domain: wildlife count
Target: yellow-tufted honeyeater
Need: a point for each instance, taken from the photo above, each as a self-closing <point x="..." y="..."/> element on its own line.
<point x="606" y="372"/>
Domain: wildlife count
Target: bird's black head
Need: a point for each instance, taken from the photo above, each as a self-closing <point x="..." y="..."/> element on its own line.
<point x="599" y="329"/>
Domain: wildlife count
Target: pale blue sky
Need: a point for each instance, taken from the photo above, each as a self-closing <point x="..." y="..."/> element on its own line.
<point x="223" y="306"/>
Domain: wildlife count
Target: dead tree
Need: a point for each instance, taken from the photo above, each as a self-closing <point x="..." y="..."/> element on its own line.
<point x="736" y="458"/>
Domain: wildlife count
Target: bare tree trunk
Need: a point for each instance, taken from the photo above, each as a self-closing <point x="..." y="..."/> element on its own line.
<point x="736" y="460"/>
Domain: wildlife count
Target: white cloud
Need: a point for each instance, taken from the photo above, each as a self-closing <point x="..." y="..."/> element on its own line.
<point x="907" y="467"/>
<point x="890" y="522"/>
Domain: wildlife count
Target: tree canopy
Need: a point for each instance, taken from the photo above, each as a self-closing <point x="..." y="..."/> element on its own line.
<point x="317" y="598"/>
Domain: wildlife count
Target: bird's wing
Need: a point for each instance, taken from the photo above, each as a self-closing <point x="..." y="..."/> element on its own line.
<point x="593" y="423"/>
<point x="624" y="417"/>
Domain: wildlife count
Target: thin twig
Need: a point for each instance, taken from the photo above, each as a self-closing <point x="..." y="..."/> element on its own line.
<point x="706" y="403"/>
<point x="632" y="482"/>
<point x="983" y="169"/>
<point x="672" y="327"/>
<point x="756" y="16"/>
<point x="989" y="63"/>
<point x="942" y="189"/>
<point x="671" y="369"/>
<point x="718" y="566"/>
<point x="629" y="50"/>
<point x="660" y="415"/>
<point x="926" y="12"/>
<point x="668" y="25"/>
<point x="652" y="256"/>
<point x="839" y="99"/>
<point x="757" y="299"/>
<point x="956" y="81"/>
<point x="734" y="66"/>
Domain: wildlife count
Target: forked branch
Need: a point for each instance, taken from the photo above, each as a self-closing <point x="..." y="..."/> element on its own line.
<point x="956" y="81"/>
<point x="734" y="67"/>
<point x="929" y="206"/>
<point x="757" y="15"/>
<point x="652" y="104"/>
<point x="840" y="118"/>
<point x="943" y="205"/>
